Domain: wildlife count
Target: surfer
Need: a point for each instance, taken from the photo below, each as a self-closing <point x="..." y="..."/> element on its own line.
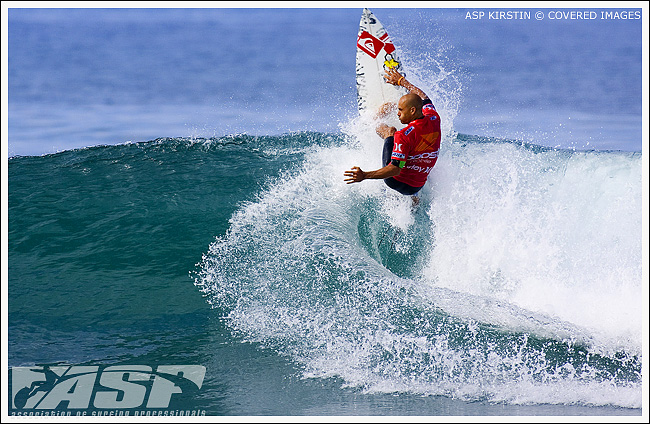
<point x="410" y="153"/>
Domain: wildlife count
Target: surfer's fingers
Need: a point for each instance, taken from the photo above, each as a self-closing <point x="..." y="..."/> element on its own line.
<point x="392" y="76"/>
<point x="353" y="175"/>
<point x="393" y="72"/>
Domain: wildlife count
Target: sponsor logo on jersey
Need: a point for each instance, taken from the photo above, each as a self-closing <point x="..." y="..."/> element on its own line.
<point x="408" y="130"/>
<point x="417" y="168"/>
<point x="426" y="155"/>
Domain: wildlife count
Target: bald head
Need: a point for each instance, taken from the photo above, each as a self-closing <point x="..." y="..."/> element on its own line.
<point x="409" y="108"/>
<point x="412" y="100"/>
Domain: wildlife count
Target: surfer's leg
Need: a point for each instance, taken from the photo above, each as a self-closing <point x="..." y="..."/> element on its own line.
<point x="401" y="187"/>
<point x="398" y="186"/>
<point x="388" y="150"/>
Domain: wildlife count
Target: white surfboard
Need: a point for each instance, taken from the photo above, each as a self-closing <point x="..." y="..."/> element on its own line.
<point x="375" y="53"/>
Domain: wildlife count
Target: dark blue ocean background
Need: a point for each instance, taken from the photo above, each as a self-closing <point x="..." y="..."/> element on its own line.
<point x="80" y="77"/>
<point x="175" y="196"/>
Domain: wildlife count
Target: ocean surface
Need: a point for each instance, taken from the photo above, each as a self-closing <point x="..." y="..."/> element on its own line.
<point x="176" y="197"/>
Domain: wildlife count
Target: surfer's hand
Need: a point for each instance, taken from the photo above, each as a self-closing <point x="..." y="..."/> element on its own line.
<point x="384" y="131"/>
<point x="393" y="77"/>
<point x="355" y="175"/>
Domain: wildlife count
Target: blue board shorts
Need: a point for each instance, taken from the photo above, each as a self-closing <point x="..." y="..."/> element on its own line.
<point x="391" y="182"/>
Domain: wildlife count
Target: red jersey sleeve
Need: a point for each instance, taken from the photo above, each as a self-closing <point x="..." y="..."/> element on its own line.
<point x="427" y="108"/>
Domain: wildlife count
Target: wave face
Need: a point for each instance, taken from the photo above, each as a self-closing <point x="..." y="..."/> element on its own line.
<point x="517" y="278"/>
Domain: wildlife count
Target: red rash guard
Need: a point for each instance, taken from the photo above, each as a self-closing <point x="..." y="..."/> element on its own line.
<point x="416" y="147"/>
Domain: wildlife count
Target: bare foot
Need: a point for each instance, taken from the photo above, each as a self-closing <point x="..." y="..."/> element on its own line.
<point x="416" y="201"/>
<point x="386" y="109"/>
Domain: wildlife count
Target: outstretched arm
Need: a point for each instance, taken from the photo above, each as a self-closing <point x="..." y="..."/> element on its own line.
<point x="395" y="78"/>
<point x="356" y="175"/>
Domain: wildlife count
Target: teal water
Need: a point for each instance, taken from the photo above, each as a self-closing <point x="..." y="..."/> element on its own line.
<point x="301" y="295"/>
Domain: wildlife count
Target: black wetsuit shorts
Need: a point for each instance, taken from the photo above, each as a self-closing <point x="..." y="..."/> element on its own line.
<point x="391" y="182"/>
